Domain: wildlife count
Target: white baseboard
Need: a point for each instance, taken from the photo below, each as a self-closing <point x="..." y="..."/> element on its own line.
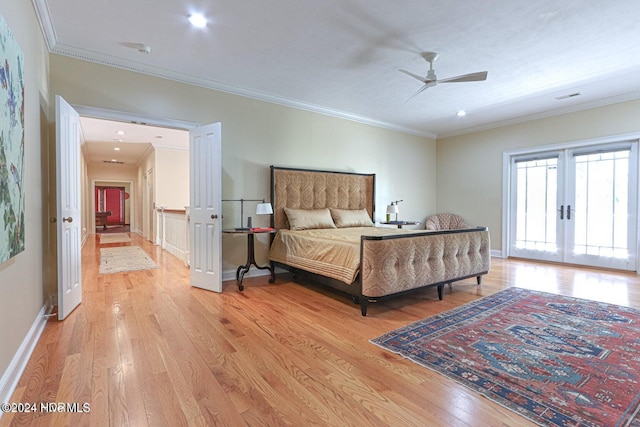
<point x="11" y="376"/>
<point x="175" y="250"/>
<point x="254" y="272"/>
<point x="497" y="253"/>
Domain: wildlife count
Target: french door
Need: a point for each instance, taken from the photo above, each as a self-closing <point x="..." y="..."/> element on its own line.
<point x="576" y="206"/>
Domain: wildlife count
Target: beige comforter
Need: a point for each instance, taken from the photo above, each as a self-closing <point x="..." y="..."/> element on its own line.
<point x="332" y="252"/>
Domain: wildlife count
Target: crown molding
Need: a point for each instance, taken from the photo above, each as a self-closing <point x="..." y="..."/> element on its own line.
<point x="46" y="24"/>
<point x="137" y="67"/>
<point x="48" y="31"/>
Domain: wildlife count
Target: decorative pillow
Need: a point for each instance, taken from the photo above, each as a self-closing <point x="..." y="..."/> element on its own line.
<point x="351" y="218"/>
<point x="303" y="219"/>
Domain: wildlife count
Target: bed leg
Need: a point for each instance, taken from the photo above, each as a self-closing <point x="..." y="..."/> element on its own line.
<point x="364" y="302"/>
<point x="479" y="279"/>
<point x="440" y="291"/>
<point x="272" y="267"/>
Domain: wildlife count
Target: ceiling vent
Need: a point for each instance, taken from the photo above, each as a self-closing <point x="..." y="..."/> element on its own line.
<point x="111" y="162"/>
<point x="571" y="95"/>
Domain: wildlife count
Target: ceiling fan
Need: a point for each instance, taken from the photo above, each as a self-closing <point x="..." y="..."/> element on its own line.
<point x="431" y="79"/>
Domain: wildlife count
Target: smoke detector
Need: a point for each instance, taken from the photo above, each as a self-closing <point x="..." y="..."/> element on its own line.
<point x="140" y="47"/>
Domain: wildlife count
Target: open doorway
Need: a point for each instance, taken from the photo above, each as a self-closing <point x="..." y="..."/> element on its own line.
<point x="136" y="167"/>
<point x="73" y="154"/>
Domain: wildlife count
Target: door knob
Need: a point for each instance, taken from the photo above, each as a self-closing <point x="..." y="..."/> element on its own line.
<point x="214" y="216"/>
<point x="70" y="219"/>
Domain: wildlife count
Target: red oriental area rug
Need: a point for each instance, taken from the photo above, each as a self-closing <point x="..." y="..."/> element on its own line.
<point x="557" y="360"/>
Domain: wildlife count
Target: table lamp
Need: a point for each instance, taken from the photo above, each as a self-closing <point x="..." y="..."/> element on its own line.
<point x="392" y="209"/>
<point x="261" y="209"/>
<point x="264" y="209"/>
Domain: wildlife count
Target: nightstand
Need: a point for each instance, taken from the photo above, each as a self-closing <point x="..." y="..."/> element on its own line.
<point x="400" y="224"/>
<point x="251" y="259"/>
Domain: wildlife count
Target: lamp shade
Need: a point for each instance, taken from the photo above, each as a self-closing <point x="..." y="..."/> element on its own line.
<point x="392" y="209"/>
<point x="264" y="209"/>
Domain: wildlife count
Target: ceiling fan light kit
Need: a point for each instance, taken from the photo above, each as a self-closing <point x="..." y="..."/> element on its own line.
<point x="431" y="79"/>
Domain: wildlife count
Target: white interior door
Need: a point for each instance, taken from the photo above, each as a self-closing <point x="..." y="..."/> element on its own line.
<point x="577" y="206"/>
<point x="205" y="201"/>
<point x="68" y="207"/>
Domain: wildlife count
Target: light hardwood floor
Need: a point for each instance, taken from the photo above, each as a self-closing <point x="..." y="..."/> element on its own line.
<point x="144" y="348"/>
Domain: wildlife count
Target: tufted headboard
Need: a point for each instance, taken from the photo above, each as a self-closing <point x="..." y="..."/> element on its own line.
<point x="315" y="189"/>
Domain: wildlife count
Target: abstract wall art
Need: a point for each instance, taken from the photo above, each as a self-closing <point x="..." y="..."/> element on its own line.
<point x="11" y="145"/>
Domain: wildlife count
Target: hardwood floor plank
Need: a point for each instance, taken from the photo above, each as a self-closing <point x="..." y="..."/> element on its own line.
<point x="117" y="400"/>
<point x="213" y="403"/>
<point x="99" y="415"/>
<point x="66" y="389"/>
<point x="181" y="388"/>
<point x="145" y="348"/>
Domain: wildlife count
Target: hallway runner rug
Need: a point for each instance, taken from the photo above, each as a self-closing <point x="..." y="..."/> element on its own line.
<point x="559" y="361"/>
<point x="114" y="238"/>
<point x="124" y="258"/>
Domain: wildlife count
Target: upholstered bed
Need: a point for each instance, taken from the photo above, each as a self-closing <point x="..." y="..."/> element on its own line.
<point x="326" y="230"/>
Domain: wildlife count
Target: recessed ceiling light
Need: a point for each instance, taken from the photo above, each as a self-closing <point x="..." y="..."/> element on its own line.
<point x="113" y="160"/>
<point x="461" y="113"/>
<point x="198" y="20"/>
<point x="120" y="132"/>
<point x="117" y="149"/>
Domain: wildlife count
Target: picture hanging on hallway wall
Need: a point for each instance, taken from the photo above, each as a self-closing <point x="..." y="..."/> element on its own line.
<point x="11" y="145"/>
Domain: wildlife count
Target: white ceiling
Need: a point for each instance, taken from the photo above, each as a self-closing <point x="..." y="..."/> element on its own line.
<point x="126" y="144"/>
<point x="341" y="57"/>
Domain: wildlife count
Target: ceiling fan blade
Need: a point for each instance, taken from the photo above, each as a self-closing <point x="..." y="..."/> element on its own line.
<point x="415" y="76"/>
<point x="473" y="77"/>
<point x="422" y="89"/>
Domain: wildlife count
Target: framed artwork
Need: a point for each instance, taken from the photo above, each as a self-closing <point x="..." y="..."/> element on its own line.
<point x="11" y="145"/>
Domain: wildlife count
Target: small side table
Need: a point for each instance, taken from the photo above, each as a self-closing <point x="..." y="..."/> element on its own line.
<point x="400" y="224"/>
<point x="251" y="259"/>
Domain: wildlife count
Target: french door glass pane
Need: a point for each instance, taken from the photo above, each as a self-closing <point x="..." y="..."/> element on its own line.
<point x="536" y="204"/>
<point x="601" y="204"/>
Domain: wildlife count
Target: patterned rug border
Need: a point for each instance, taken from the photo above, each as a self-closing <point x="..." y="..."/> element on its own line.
<point x="472" y="309"/>
<point x="137" y="258"/>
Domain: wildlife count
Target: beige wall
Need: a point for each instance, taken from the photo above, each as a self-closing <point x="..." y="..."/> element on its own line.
<point x="21" y="277"/>
<point x="470" y="166"/>
<point x="257" y="134"/>
<point x="172" y="178"/>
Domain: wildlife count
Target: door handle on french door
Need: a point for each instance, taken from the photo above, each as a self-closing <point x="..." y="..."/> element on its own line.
<point x="568" y="211"/>
<point x="561" y="211"/>
<point x="214" y="216"/>
<point x="69" y="219"/>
